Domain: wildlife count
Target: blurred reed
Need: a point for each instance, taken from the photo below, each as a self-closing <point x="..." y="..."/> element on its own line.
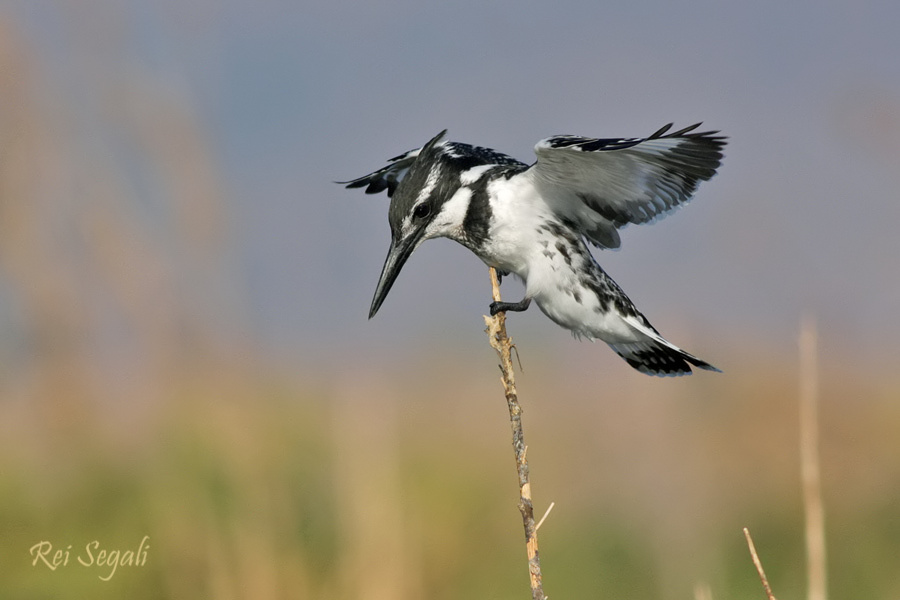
<point x="810" y="471"/>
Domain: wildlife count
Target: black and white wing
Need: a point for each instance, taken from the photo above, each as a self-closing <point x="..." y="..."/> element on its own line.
<point x="389" y="177"/>
<point x="602" y="185"/>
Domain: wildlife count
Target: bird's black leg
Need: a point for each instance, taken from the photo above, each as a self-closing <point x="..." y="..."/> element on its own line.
<point x="501" y="275"/>
<point x="513" y="306"/>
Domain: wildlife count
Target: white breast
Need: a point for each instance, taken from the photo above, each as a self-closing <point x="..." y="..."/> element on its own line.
<point x="518" y="211"/>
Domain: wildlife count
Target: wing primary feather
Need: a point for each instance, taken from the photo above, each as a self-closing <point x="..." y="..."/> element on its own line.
<point x="686" y="130"/>
<point x="603" y="184"/>
<point x="661" y="131"/>
<point x="379" y="185"/>
<point x="356" y="183"/>
<point x="388" y="178"/>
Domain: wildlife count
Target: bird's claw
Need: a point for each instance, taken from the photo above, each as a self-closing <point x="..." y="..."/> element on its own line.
<point x="497" y="307"/>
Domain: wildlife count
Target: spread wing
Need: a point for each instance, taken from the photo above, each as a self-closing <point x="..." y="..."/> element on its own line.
<point x="602" y="185"/>
<point x="389" y="177"/>
<point x="386" y="178"/>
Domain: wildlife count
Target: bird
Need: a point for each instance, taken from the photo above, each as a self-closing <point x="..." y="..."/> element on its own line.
<point x="536" y="221"/>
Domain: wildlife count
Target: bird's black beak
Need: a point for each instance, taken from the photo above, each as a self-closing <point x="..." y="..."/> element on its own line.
<point x="397" y="256"/>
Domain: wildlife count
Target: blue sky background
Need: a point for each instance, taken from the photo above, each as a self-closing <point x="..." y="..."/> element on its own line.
<point x="290" y="96"/>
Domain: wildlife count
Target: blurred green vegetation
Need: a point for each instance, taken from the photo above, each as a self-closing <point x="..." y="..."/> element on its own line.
<point x="371" y="489"/>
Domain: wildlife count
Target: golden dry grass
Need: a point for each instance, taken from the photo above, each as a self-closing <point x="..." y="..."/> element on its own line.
<point x="254" y="488"/>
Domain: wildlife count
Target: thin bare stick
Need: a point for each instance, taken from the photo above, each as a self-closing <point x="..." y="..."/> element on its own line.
<point x="809" y="462"/>
<point x="759" y="567"/>
<point x="544" y="518"/>
<point x="496" y="330"/>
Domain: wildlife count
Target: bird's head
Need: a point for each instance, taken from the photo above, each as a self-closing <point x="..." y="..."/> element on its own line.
<point x="422" y="208"/>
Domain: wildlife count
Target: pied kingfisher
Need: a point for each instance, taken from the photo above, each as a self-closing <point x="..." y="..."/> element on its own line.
<point x="534" y="221"/>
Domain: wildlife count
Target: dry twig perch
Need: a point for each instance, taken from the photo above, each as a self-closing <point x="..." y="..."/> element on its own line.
<point x="496" y="330"/>
<point x="758" y="564"/>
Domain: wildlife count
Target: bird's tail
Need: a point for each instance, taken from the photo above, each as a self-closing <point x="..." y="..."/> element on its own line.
<point x="658" y="357"/>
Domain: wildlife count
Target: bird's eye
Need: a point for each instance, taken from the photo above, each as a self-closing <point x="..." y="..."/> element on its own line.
<point x="422" y="211"/>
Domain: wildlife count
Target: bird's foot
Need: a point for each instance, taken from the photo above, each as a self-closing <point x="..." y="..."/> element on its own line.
<point x="497" y="307"/>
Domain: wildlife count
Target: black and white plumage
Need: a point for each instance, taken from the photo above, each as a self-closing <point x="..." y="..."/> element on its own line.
<point x="534" y="221"/>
